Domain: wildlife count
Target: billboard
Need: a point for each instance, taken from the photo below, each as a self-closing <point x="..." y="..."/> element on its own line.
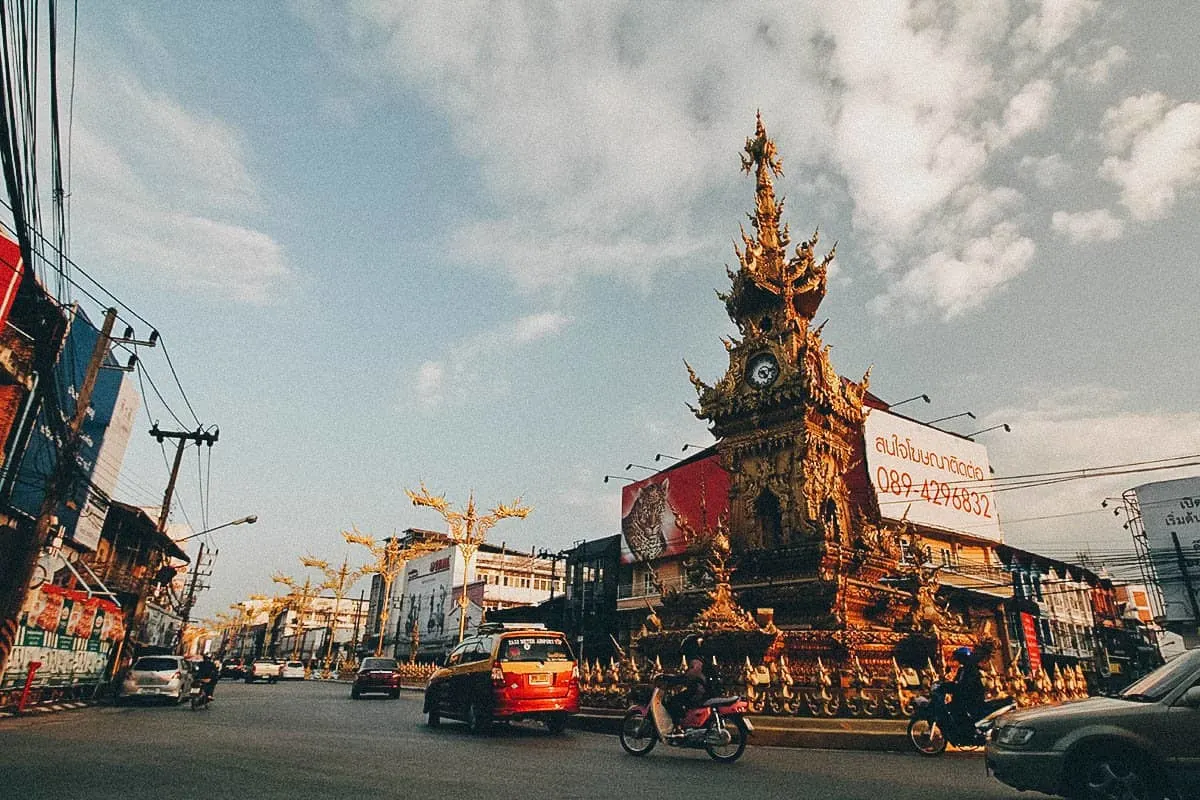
<point x="1171" y="516"/>
<point x="431" y="600"/>
<point x="12" y="266"/>
<point x="694" y="493"/>
<point x="41" y="455"/>
<point x="929" y="477"/>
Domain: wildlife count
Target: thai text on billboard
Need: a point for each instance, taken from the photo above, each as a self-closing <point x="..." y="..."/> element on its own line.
<point x="655" y="511"/>
<point x="930" y="477"/>
<point x="1171" y="512"/>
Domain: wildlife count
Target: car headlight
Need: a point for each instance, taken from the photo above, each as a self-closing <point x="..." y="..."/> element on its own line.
<point x="1014" y="735"/>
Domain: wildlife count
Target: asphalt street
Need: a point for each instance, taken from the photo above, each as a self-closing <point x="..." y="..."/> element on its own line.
<point x="304" y="740"/>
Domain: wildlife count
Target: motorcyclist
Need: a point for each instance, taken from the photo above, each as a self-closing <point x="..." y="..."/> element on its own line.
<point x="207" y="674"/>
<point x="966" y="689"/>
<point x="692" y="682"/>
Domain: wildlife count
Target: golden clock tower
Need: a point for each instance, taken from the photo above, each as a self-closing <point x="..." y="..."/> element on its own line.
<point x="786" y="422"/>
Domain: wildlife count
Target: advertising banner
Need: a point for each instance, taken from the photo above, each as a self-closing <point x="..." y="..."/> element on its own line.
<point x="930" y="477"/>
<point x="114" y="432"/>
<point x="69" y="633"/>
<point x="654" y="510"/>
<point x="12" y="267"/>
<point x="1029" y="633"/>
<point x="1171" y="513"/>
<point x="430" y="600"/>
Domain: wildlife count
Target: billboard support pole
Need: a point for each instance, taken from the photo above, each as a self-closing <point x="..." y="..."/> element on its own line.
<point x="1187" y="579"/>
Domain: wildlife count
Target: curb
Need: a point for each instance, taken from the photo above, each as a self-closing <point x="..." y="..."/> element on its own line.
<point x="47" y="708"/>
<point x="831" y="734"/>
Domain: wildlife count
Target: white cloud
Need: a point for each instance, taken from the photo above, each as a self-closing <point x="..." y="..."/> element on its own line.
<point x="1101" y="70"/>
<point x="1053" y="23"/>
<point x="1156" y="153"/>
<point x="1081" y="428"/>
<point x="1098" y="225"/>
<point x="474" y="367"/>
<point x="1027" y="110"/>
<point x="166" y="192"/>
<point x="1047" y="172"/>
<point x="954" y="281"/>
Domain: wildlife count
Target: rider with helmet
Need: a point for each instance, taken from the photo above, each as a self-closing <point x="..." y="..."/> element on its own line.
<point x="207" y="673"/>
<point x="693" y="681"/>
<point x="966" y="690"/>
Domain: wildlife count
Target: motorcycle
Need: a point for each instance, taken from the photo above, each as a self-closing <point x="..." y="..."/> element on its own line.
<point x="199" y="697"/>
<point x="932" y="727"/>
<point x="718" y="726"/>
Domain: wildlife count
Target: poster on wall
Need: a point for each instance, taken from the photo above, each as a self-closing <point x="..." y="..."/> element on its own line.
<point x="430" y="600"/>
<point x="1171" y="514"/>
<point x="69" y="633"/>
<point x="655" y="511"/>
<point x="930" y="477"/>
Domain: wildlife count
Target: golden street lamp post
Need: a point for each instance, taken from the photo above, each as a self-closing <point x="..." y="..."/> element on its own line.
<point x="468" y="530"/>
<point x="337" y="581"/>
<point x="390" y="558"/>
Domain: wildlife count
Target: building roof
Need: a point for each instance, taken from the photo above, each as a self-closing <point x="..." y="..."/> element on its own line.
<point x="138" y="520"/>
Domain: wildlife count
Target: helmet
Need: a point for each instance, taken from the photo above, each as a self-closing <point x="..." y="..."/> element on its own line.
<point x="691" y="644"/>
<point x="962" y="655"/>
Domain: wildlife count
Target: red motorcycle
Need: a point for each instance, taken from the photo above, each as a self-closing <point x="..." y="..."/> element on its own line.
<point x="718" y="726"/>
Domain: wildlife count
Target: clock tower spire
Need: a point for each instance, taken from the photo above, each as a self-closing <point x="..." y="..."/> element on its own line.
<point x="785" y="419"/>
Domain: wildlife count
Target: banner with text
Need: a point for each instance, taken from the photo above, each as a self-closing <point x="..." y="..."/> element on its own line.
<point x="930" y="477"/>
<point x="1171" y="518"/>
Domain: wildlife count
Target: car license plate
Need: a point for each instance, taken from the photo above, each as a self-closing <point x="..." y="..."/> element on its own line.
<point x="539" y="679"/>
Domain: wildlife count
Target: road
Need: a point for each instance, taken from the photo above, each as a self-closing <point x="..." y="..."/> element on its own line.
<point x="297" y="741"/>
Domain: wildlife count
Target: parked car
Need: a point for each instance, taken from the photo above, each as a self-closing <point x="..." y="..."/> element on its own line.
<point x="263" y="669"/>
<point x="159" y="677"/>
<point x="291" y="671"/>
<point x="233" y="668"/>
<point x="377" y="676"/>
<point x="506" y="674"/>
<point x="1140" y="743"/>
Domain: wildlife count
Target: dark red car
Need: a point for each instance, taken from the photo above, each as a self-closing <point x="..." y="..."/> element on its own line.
<point x="378" y="676"/>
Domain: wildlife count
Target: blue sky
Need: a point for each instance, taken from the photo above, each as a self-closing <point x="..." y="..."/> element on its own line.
<point x="472" y="244"/>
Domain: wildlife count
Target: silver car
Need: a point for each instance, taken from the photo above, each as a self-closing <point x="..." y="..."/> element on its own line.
<point x="1141" y="744"/>
<point x="162" y="677"/>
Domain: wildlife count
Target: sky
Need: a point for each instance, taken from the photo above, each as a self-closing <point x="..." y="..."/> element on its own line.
<point x="472" y="244"/>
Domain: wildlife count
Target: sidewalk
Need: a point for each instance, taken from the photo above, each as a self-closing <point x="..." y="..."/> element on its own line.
<point x="801" y="732"/>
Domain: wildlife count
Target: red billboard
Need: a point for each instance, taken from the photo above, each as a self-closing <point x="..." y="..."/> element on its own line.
<point x="11" y="269"/>
<point x="655" y="511"/>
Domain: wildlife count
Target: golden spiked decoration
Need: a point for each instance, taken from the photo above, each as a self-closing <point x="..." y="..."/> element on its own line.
<point x="468" y="530"/>
<point x="390" y="557"/>
<point x="337" y="581"/>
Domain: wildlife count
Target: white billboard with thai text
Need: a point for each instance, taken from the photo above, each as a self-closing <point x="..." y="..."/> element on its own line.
<point x="1171" y="518"/>
<point x="930" y="477"/>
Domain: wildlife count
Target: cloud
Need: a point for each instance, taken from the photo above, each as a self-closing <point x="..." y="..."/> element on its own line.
<point x="1047" y="172"/>
<point x="1088" y="226"/>
<point x="470" y="368"/>
<point x="165" y="192"/>
<point x="1082" y="427"/>
<point x="1101" y="70"/>
<point x="606" y="136"/>
<point x="1155" y="153"/>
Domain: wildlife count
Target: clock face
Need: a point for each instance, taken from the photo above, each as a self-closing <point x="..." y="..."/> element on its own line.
<point x="762" y="370"/>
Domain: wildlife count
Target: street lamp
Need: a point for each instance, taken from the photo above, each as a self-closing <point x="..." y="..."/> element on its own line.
<point x="924" y="397"/>
<point x="694" y="447"/>
<point x="661" y="456"/>
<point x="952" y="416"/>
<point x="639" y="466"/>
<point x="1005" y="425"/>
<point x="250" y="519"/>
<point x="619" y="478"/>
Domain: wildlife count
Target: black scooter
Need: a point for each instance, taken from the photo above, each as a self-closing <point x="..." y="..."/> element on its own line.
<point x="932" y="727"/>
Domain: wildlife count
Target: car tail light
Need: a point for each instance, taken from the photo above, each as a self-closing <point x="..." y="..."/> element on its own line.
<point x="497" y="674"/>
<point x="574" y="681"/>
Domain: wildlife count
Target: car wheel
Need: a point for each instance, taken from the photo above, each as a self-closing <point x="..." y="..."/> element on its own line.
<point x="248" y="679"/>
<point x="556" y="723"/>
<point x="1116" y="775"/>
<point x="434" y="719"/>
<point x="478" y="720"/>
<point x="355" y="693"/>
<point x="394" y="694"/>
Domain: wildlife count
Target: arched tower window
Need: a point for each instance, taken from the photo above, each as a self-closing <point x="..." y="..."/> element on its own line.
<point x="770" y="519"/>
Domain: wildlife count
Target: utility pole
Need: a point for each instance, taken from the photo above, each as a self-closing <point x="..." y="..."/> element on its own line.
<point x="198" y="436"/>
<point x="194" y="585"/>
<point x="64" y="472"/>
